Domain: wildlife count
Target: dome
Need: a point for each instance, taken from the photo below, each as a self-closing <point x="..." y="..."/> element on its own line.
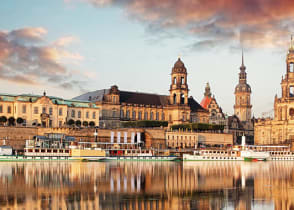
<point x="243" y="88"/>
<point x="179" y="67"/>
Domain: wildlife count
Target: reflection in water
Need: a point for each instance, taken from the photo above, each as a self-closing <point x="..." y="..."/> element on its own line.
<point x="147" y="185"/>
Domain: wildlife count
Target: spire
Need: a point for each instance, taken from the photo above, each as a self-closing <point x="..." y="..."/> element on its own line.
<point x="207" y="90"/>
<point x="242" y="74"/>
<point x="242" y="57"/>
<point x="291" y="44"/>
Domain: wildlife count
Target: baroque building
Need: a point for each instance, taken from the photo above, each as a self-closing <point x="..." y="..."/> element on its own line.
<point x="280" y="129"/>
<point x="46" y="111"/>
<point x="176" y="108"/>
<point x="216" y="115"/>
<point x="241" y="123"/>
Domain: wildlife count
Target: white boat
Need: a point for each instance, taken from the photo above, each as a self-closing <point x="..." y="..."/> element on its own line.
<point x="214" y="155"/>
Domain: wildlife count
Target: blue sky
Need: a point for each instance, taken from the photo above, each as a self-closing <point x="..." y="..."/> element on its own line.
<point x="67" y="47"/>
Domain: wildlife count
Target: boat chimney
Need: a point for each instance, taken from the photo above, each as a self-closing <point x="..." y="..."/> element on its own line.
<point x="243" y="143"/>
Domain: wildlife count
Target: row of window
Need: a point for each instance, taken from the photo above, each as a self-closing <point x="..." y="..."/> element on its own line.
<point x="181" y="138"/>
<point x="8" y="109"/>
<point x="140" y="115"/>
<point x="79" y="114"/>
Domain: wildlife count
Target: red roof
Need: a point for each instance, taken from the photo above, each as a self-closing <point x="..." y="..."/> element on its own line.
<point x="205" y="102"/>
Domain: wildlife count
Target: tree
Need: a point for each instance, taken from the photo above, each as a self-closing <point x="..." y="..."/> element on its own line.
<point x="92" y="124"/>
<point x="71" y="122"/>
<point x="11" y="121"/>
<point x="19" y="120"/>
<point x="85" y="123"/>
<point x="78" y="123"/>
<point x="3" y="120"/>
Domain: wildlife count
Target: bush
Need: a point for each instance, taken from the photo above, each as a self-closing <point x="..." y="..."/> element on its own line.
<point x="144" y="124"/>
<point x="85" y="123"/>
<point x="71" y="122"/>
<point x="92" y="124"/>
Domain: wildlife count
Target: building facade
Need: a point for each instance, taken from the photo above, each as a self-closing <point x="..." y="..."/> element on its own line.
<point x="176" y="108"/>
<point x="46" y="111"/>
<point x="216" y="115"/>
<point x="280" y="129"/>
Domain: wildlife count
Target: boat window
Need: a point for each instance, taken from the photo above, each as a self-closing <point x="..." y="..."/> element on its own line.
<point x="36" y="150"/>
<point x="61" y="151"/>
<point x="55" y="150"/>
<point x="48" y="150"/>
<point x="42" y="150"/>
<point x="30" y="150"/>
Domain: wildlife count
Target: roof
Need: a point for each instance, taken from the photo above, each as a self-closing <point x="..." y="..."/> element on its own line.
<point x="55" y="100"/>
<point x="205" y="102"/>
<point x="143" y="98"/>
<point x="195" y="106"/>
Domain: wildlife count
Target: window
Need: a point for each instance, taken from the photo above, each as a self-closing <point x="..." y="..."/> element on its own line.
<point x="94" y="115"/>
<point x="44" y="110"/>
<point x="36" y="110"/>
<point x="113" y="113"/>
<point x="60" y="123"/>
<point x="151" y="116"/>
<point x="175" y="80"/>
<point x="121" y="113"/>
<point x="79" y="114"/>
<point x="140" y="115"/>
<point x="73" y="113"/>
<point x="182" y="80"/>
<point x="291" y="65"/>
<point x="50" y="110"/>
<point x="145" y="115"/>
<point x="128" y="114"/>
<point x="1" y="108"/>
<point x="175" y="99"/>
<point x="291" y="92"/>
<point x="134" y="115"/>
<point x="24" y="109"/>
<point x="113" y="99"/>
<point x="9" y="109"/>
<point x="87" y="115"/>
<point x="60" y="111"/>
<point x="157" y="116"/>
<point x="162" y="116"/>
<point x="182" y="98"/>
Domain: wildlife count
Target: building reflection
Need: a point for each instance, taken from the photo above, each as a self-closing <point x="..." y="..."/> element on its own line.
<point x="147" y="185"/>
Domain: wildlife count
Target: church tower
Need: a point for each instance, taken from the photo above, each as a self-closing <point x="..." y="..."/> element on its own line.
<point x="242" y="107"/>
<point x="179" y="87"/>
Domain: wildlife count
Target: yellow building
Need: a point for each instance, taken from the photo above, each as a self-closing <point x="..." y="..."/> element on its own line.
<point x="280" y="129"/>
<point x="46" y="111"/>
<point x="176" y="108"/>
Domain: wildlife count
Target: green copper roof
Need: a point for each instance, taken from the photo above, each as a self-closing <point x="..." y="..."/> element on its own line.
<point x="55" y="100"/>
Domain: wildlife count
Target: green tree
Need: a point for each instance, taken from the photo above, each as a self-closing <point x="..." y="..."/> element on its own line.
<point x="92" y="124"/>
<point x="19" y="120"/>
<point x="3" y="120"/>
<point x="85" y="123"/>
<point x="11" y="121"/>
<point x="78" y="123"/>
<point x="71" y="122"/>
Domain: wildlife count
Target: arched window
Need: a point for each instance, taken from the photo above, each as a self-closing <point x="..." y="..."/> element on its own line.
<point x="128" y="114"/>
<point x="121" y="113"/>
<point x="182" y="98"/>
<point x="140" y="115"/>
<point x="79" y="114"/>
<point x="182" y="80"/>
<point x="175" y="98"/>
<point x="134" y="115"/>
<point x="151" y="116"/>
<point x="175" y="80"/>
<point x="162" y="116"/>
<point x="73" y="113"/>
<point x="291" y="66"/>
<point x="146" y="116"/>
<point x="114" y="113"/>
<point x="157" y="116"/>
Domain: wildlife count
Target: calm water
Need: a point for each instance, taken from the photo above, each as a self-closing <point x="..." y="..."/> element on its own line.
<point x="147" y="185"/>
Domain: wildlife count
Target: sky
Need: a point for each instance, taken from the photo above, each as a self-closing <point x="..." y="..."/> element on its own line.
<point x="69" y="47"/>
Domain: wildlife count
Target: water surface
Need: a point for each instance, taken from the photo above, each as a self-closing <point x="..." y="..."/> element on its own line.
<point x="147" y="185"/>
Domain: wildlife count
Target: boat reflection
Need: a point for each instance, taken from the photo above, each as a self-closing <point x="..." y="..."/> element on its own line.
<point x="147" y="185"/>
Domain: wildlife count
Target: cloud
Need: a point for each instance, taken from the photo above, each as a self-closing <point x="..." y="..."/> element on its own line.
<point x="27" y="58"/>
<point x="255" y="23"/>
